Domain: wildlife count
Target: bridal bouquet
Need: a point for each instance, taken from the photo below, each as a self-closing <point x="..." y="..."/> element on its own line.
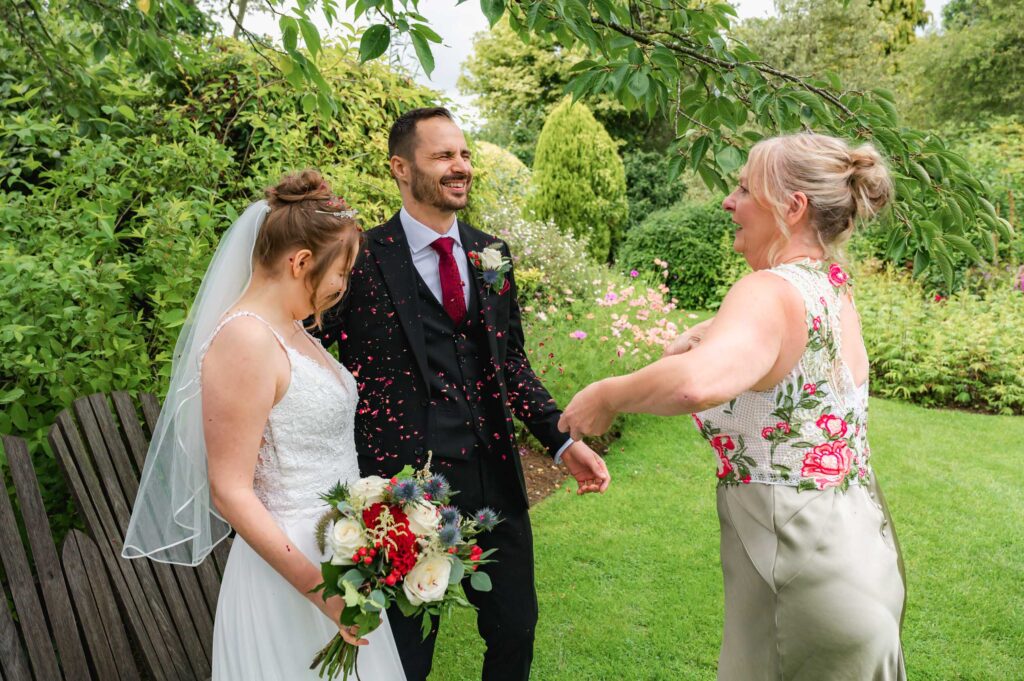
<point x="396" y="542"/>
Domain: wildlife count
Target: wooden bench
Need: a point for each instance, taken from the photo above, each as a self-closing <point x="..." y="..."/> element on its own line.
<point x="67" y="623"/>
<point x="101" y="445"/>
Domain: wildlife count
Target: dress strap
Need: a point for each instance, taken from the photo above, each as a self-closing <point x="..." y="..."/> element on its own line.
<point x="233" y="316"/>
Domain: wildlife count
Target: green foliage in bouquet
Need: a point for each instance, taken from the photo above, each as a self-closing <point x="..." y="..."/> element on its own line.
<point x="578" y="178"/>
<point x="696" y="242"/>
<point x="961" y="351"/>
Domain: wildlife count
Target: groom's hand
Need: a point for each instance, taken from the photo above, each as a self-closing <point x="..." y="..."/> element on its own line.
<point x="587" y="467"/>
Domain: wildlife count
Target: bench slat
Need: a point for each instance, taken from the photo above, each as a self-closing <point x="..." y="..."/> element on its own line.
<point x="179" y="585"/>
<point x="108" y="643"/>
<point x="13" y="659"/>
<point x="44" y="553"/>
<point x="23" y="592"/>
<point x="67" y="443"/>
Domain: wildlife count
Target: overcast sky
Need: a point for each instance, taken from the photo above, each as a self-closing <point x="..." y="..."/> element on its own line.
<point x="457" y="25"/>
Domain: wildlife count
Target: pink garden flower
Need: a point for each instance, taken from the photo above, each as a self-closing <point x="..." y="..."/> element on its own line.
<point x="810" y="388"/>
<point x="767" y="432"/>
<point x="578" y="334"/>
<point x="634" y="274"/>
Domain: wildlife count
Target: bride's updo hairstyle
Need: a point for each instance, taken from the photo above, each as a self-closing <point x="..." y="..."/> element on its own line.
<point x="305" y="213"/>
<point x="843" y="185"/>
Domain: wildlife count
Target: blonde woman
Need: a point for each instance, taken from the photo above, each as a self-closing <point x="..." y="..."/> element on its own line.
<point x="777" y="385"/>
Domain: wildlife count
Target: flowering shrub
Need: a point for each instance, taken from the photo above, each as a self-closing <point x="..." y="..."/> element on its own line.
<point x="547" y="261"/>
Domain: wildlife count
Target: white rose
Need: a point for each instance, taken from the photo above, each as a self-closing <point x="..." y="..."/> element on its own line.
<point x="490" y="259"/>
<point x="367" y="491"/>
<point x="428" y="580"/>
<point x="423" y="519"/>
<point x="344" y="539"/>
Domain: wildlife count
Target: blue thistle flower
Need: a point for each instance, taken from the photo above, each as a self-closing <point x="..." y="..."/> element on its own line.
<point x="486" y="518"/>
<point x="490" y="276"/>
<point x="437" y="487"/>
<point x="449" y="515"/>
<point x="406" y="491"/>
<point x="449" y="535"/>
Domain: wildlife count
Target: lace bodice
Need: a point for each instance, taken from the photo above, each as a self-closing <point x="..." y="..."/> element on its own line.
<point x="810" y="430"/>
<point x="308" y="441"/>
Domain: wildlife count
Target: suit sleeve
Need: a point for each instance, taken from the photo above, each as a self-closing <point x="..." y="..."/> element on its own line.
<point x="529" y="400"/>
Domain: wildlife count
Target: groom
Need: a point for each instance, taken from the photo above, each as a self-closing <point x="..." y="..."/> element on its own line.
<point x="439" y="359"/>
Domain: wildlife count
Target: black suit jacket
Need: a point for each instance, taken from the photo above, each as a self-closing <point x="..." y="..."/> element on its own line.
<point x="380" y="340"/>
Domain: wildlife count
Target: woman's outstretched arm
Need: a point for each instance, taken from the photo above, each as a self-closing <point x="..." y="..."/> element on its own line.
<point x="738" y="351"/>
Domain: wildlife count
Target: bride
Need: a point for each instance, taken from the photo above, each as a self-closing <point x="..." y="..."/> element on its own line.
<point x="258" y="422"/>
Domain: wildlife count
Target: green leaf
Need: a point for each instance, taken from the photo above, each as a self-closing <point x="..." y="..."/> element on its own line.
<point x="310" y="35"/>
<point x="126" y="112"/>
<point x="480" y="581"/>
<point x="729" y="159"/>
<point x="11" y="395"/>
<point x="427" y="33"/>
<point x="308" y="103"/>
<point x="289" y="33"/>
<point x="638" y="84"/>
<point x="963" y="245"/>
<point x="458" y="571"/>
<point x="492" y="9"/>
<point x="374" y="42"/>
<point x="423" y="52"/>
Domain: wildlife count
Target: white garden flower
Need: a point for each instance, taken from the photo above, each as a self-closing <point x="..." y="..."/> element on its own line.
<point x="423" y="519"/>
<point x="427" y="582"/>
<point x="345" y="538"/>
<point x="490" y="258"/>
<point x="367" y="491"/>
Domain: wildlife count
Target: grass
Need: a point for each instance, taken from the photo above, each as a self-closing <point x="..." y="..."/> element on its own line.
<point x="630" y="585"/>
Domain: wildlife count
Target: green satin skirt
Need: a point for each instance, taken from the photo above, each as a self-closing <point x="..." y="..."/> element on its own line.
<point x="814" y="587"/>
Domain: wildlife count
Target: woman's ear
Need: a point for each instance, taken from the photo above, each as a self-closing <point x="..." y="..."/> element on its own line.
<point x="300" y="262"/>
<point x="797" y="208"/>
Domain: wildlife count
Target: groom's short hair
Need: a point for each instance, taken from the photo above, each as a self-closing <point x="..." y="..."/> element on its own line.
<point x="402" y="138"/>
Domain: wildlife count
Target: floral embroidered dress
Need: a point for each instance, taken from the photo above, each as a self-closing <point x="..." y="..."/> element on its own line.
<point x="813" y="584"/>
<point x="809" y="431"/>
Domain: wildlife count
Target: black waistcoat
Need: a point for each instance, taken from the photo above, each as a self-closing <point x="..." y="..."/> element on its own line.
<point x="465" y="399"/>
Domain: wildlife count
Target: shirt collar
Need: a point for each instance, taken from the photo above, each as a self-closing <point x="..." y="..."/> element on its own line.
<point x="420" y="236"/>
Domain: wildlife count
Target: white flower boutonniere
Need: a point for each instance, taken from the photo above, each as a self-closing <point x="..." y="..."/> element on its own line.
<point x="492" y="266"/>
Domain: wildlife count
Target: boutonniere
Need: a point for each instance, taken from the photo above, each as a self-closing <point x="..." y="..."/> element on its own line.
<point x="492" y="266"/>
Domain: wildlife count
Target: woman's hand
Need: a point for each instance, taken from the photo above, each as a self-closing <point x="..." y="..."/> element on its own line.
<point x="588" y="413"/>
<point x="333" y="608"/>
<point x="688" y="339"/>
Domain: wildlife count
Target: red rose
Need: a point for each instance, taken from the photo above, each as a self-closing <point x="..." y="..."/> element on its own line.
<point x="745" y="479"/>
<point x="767" y="432"/>
<point x="783" y="426"/>
<point x="836" y="275"/>
<point x="810" y="388"/>
<point x="832" y="424"/>
<point x="827" y="464"/>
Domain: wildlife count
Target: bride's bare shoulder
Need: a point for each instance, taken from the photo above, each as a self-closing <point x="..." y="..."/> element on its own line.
<point x="244" y="346"/>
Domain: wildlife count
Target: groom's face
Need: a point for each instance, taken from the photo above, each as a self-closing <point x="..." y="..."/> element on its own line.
<point x="440" y="173"/>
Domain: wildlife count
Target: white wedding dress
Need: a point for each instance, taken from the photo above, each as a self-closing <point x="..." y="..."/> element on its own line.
<point x="264" y="630"/>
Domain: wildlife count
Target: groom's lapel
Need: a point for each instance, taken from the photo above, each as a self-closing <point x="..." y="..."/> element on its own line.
<point x="474" y="240"/>
<point x="391" y="250"/>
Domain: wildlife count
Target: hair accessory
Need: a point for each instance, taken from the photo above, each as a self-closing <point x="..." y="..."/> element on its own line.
<point x="340" y="208"/>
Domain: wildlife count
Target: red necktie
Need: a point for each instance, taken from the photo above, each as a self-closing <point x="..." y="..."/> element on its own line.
<point x="452" y="296"/>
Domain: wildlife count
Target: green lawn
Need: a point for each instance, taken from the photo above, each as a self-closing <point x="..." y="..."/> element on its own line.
<point x="630" y="587"/>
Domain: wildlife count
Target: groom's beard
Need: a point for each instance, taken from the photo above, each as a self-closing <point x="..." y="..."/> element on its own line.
<point x="426" y="189"/>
